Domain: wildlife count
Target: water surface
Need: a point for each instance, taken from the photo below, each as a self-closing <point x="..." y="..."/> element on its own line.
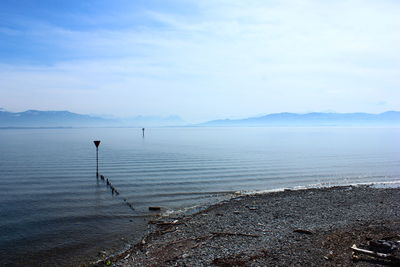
<point x="52" y="205"/>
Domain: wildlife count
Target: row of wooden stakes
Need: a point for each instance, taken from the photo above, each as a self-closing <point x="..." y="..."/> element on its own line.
<point x="115" y="191"/>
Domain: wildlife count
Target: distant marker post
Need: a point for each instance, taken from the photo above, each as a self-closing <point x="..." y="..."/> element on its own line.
<point x="143" y="132"/>
<point x="97" y="143"/>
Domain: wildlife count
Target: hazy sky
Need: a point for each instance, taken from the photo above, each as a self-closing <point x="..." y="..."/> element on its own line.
<point x="200" y="59"/>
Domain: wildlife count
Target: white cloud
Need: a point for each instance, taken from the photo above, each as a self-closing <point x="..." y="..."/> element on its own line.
<point x="227" y="58"/>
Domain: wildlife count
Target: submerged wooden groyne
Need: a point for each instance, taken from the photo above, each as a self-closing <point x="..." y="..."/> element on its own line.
<point x="108" y="183"/>
<point x="114" y="190"/>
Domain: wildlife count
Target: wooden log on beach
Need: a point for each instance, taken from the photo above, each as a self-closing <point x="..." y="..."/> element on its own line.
<point x="302" y="231"/>
<point x="233" y="234"/>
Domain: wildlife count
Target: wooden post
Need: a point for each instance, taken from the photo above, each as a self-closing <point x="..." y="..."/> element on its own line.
<point x="97" y="143"/>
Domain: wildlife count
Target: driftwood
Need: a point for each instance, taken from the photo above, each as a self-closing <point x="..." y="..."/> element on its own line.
<point x="163" y="223"/>
<point x="301" y="231"/>
<point x="234" y="234"/>
<point x="375" y="254"/>
<point x="384" y="246"/>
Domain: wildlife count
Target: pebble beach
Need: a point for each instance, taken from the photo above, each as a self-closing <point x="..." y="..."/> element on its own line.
<point x="311" y="227"/>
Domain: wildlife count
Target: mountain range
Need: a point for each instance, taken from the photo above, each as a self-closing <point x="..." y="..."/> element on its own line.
<point x="389" y="118"/>
<point x="36" y="118"/>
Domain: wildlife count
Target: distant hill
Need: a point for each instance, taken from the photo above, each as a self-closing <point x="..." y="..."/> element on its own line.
<point x="37" y="118"/>
<point x="389" y="118"/>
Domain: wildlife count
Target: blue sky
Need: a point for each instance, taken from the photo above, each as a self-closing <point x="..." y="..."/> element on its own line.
<point x="200" y="59"/>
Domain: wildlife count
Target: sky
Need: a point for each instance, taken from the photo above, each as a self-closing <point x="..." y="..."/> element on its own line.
<point x="200" y="59"/>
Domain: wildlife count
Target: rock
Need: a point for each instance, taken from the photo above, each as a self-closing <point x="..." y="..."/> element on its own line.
<point x="329" y="257"/>
<point x="102" y="253"/>
<point x="154" y="208"/>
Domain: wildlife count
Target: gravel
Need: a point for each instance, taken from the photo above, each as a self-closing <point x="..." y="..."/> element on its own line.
<point x="313" y="227"/>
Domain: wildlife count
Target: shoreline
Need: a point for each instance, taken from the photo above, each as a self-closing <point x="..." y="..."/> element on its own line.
<point x="260" y="228"/>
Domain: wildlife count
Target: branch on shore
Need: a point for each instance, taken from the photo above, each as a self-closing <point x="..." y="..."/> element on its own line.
<point x="302" y="231"/>
<point x="375" y="254"/>
<point x="234" y="234"/>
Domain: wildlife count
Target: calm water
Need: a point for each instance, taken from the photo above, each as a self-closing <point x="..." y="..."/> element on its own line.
<point x="51" y="204"/>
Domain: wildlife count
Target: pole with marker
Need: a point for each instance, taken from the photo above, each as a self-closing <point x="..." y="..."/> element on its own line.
<point x="97" y="143"/>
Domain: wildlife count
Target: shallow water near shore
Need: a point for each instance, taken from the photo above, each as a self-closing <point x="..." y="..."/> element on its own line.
<point x="52" y="205"/>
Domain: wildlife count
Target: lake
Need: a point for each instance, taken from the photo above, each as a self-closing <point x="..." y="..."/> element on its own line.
<point x="55" y="212"/>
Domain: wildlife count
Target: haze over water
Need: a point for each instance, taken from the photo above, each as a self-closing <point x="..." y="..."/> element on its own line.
<point x="52" y="205"/>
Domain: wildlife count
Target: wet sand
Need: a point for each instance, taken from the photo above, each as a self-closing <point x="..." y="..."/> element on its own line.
<point x="313" y="227"/>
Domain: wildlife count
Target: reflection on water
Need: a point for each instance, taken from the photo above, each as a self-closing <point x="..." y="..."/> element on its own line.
<point x="52" y="204"/>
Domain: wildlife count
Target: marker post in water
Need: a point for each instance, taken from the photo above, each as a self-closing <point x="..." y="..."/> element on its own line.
<point x="97" y="143"/>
